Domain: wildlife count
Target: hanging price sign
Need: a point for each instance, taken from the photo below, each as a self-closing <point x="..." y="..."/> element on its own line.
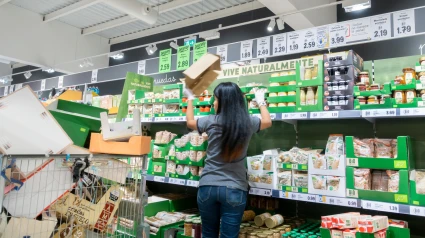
<point x="337" y="34"/>
<point x="222" y="52"/>
<point x="183" y="56"/>
<point x="165" y="61"/>
<point x="295" y="43"/>
<point x="141" y="67"/>
<point x="6" y="90"/>
<point x="94" y="76"/>
<point x="246" y="50"/>
<point x="11" y="87"/>
<point x="263" y="47"/>
<point x="199" y="49"/>
<point x="18" y="86"/>
<point x="60" y="82"/>
<point x="279" y="44"/>
<point x="309" y="39"/>
<point x="404" y="23"/>
<point x="43" y="84"/>
<point x="381" y="27"/>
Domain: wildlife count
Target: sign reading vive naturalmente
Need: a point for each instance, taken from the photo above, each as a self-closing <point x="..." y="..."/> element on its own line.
<point x="133" y="81"/>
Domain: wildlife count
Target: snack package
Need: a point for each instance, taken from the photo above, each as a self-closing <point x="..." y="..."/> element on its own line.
<point x="192" y="155"/>
<point x="419" y="177"/>
<point x="182" y="169"/>
<point x="394" y="181"/>
<point x="394" y="148"/>
<point x="379" y="180"/>
<point x="267" y="163"/>
<point x="332" y="162"/>
<point x="147" y="108"/>
<point x="372" y="224"/>
<point x="284" y="177"/>
<point x="285" y="157"/>
<point x="194" y="170"/>
<point x="301" y="179"/>
<point x="349" y="233"/>
<point x="335" y="145"/>
<point x="172" y="150"/>
<point x="363" y="148"/>
<point x="158" y="137"/>
<point x="362" y="179"/>
<point x="319" y="182"/>
<point x="319" y="161"/>
<point x="181" y="155"/>
<point x="171" y="167"/>
<point x="166" y="135"/>
<point x="332" y="183"/>
<point x="255" y="162"/>
<point x="200" y="155"/>
<point x="253" y="177"/>
<point x="157" y="108"/>
<point x="266" y="178"/>
<point x="171" y="108"/>
<point x="383" y="148"/>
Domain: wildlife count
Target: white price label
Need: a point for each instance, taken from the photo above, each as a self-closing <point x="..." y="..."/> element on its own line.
<point x="141" y="67"/>
<point x="177" y="181"/>
<point x="322" y="37"/>
<point x="261" y="192"/>
<point x="404" y="23"/>
<point x="294" y="189"/>
<point x="158" y="179"/>
<point x="338" y="34"/>
<point x="417" y="211"/>
<point x="412" y="111"/>
<point x="246" y="50"/>
<point x="263" y="47"/>
<point x="94" y="76"/>
<point x="306" y="197"/>
<point x="147" y="119"/>
<point x="308" y="39"/>
<point x="6" y="90"/>
<point x="192" y="183"/>
<point x="359" y="30"/>
<point x="380" y="206"/>
<point x="294" y="166"/>
<point x="43" y="84"/>
<point x="353" y="162"/>
<point x="295" y="42"/>
<point x="322" y="115"/>
<point x="381" y="27"/>
<point x="180" y="118"/>
<point x="288" y="195"/>
<point x="11" y="87"/>
<point x="222" y="52"/>
<point x="352" y="193"/>
<point x="347" y="202"/>
<point x="279" y="44"/>
<point x="60" y="82"/>
<point x="379" y="113"/>
<point x="18" y="86"/>
<point x="293" y="116"/>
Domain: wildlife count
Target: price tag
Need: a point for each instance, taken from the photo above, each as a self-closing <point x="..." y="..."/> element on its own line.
<point x="158" y="179"/>
<point x="294" y="166"/>
<point x="141" y="67"/>
<point x="294" y="189"/>
<point x="306" y="197"/>
<point x="222" y="52"/>
<point x="337" y="34"/>
<point x="192" y="183"/>
<point x="180" y="118"/>
<point x="294" y="43"/>
<point x="293" y="116"/>
<point x="164" y="61"/>
<point x="183" y="56"/>
<point x="279" y="44"/>
<point x="43" y="84"/>
<point x="346" y="202"/>
<point x="359" y="30"/>
<point x="417" y="211"/>
<point x="246" y="50"/>
<point x="94" y="76"/>
<point x="6" y="90"/>
<point x="261" y="192"/>
<point x="352" y="193"/>
<point x="199" y="49"/>
<point x="177" y="181"/>
<point x="322" y="115"/>
<point x="11" y="88"/>
<point x="288" y="195"/>
<point x="263" y="47"/>
<point x="404" y="23"/>
<point x="308" y="39"/>
<point x="381" y="27"/>
<point x="146" y="119"/>
<point x="379" y="113"/>
<point x="60" y="82"/>
<point x="18" y="86"/>
<point x="353" y="162"/>
<point x="380" y="206"/>
<point x="412" y="111"/>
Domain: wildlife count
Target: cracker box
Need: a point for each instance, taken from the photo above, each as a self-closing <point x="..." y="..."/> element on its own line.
<point x="373" y="224"/>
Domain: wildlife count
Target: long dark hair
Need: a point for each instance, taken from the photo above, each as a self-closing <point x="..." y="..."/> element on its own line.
<point x="235" y="120"/>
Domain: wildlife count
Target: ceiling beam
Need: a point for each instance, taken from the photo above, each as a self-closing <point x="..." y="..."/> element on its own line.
<point x="69" y="9"/>
<point x="128" y="19"/>
<point x="2" y="2"/>
<point x="190" y="21"/>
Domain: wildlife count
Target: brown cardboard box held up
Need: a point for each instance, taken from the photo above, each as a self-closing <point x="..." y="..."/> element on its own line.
<point x="202" y="73"/>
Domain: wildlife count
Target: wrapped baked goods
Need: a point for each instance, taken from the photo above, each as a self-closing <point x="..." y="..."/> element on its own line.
<point x="394" y="181"/>
<point x="158" y="137"/>
<point x="266" y="178"/>
<point x="182" y="169"/>
<point x="380" y="180"/>
<point x="149" y="95"/>
<point x="157" y="152"/>
<point x="181" y="155"/>
<point x="157" y="108"/>
<point x="332" y="162"/>
<point x="319" y="161"/>
<point x="383" y="148"/>
<point x="285" y="177"/>
<point x="255" y="162"/>
<point x="363" y="148"/>
<point x="157" y="168"/>
<point x="194" y="170"/>
<point x="285" y="157"/>
<point x="192" y="155"/>
<point x="319" y="182"/>
<point x="362" y="179"/>
<point x="253" y="177"/>
<point x="200" y="155"/>
<point x="159" y="96"/>
<point x="335" y="145"/>
<point x="394" y="148"/>
<point x="267" y="163"/>
<point x="171" y="108"/>
<point x="253" y="104"/>
<point x="172" y="150"/>
<point x="332" y="183"/>
<point x="171" y="167"/>
<point x="166" y="136"/>
<point x="300" y="179"/>
<point x="420" y="181"/>
<point x="147" y="108"/>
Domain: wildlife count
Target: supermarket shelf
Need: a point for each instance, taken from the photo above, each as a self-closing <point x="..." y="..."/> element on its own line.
<point x="176" y="181"/>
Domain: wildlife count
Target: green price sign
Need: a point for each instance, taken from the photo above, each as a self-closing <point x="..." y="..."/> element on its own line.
<point x="165" y="61"/>
<point x="199" y="49"/>
<point x="183" y="56"/>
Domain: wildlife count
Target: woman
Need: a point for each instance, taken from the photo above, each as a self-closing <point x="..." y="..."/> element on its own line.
<point x="223" y="186"/>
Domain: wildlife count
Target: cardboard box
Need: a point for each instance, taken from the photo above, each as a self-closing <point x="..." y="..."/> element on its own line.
<point x="120" y="130"/>
<point x="202" y="73"/>
<point x="336" y="234"/>
<point x="349" y="234"/>
<point x="137" y="145"/>
<point x="24" y="227"/>
<point x="343" y="58"/>
<point x="372" y="224"/>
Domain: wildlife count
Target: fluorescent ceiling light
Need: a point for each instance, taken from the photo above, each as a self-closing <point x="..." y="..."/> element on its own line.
<point x="28" y="74"/>
<point x="151" y="49"/>
<point x="271" y="25"/>
<point x="356" y="5"/>
<point x="280" y="23"/>
<point x="116" y="55"/>
<point x="174" y="45"/>
<point x="49" y="70"/>
<point x="210" y="35"/>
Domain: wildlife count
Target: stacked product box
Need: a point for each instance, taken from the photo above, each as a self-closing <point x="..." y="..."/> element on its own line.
<point x="341" y="73"/>
<point x="378" y="169"/>
<point x="310" y="87"/>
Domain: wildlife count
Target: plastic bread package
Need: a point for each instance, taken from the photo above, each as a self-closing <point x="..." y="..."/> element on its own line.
<point x="157" y="168"/>
<point x="255" y="163"/>
<point x="394" y="181"/>
<point x="182" y="169"/>
<point x="332" y="162"/>
<point x="181" y="155"/>
<point x="383" y="148"/>
<point x="171" y="108"/>
<point x="192" y="155"/>
<point x="159" y="96"/>
<point x="200" y="155"/>
<point x="419" y="178"/>
<point x="362" y="179"/>
<point x="266" y="178"/>
<point x="332" y="183"/>
<point x="166" y="136"/>
<point x="335" y="145"/>
<point x="267" y="163"/>
<point x="300" y="179"/>
<point x="319" y="161"/>
<point x="284" y="177"/>
<point x="319" y="182"/>
<point x="394" y="147"/>
<point x="171" y="167"/>
<point x="147" y="108"/>
<point x="172" y="150"/>
<point x="285" y="157"/>
<point x="158" y="137"/>
<point x="363" y="148"/>
<point x="380" y="180"/>
<point x="157" y="108"/>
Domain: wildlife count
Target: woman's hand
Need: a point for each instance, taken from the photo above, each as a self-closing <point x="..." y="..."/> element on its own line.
<point x="259" y="97"/>
<point x="190" y="117"/>
<point x="188" y="93"/>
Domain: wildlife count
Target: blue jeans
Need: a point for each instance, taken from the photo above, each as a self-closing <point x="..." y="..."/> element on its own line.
<point x="227" y="204"/>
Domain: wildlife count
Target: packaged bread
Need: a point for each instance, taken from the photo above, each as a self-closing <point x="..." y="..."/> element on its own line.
<point x="267" y="163"/>
<point x="181" y="155"/>
<point x="332" y="162"/>
<point x="335" y="145"/>
<point x="383" y="148"/>
<point x="319" y="161"/>
<point x="285" y="157"/>
<point x="319" y="182"/>
<point x="255" y="162"/>
<point x="172" y="150"/>
<point x="419" y="177"/>
<point x="284" y="177"/>
<point x="253" y="177"/>
<point x="166" y="135"/>
<point x="200" y="155"/>
<point x="380" y="180"/>
<point x="300" y="179"/>
<point x="147" y="109"/>
<point x="394" y="180"/>
<point x="182" y="169"/>
<point x="266" y="178"/>
<point x="157" y="168"/>
<point x="171" y="167"/>
<point x="394" y="148"/>
<point x="332" y="183"/>
<point x="192" y="155"/>
<point x="194" y="170"/>
<point x="171" y="108"/>
<point x="362" y="179"/>
<point x="363" y="148"/>
<point x="158" y="137"/>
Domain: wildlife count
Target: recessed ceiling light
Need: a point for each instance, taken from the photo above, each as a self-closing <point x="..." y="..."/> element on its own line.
<point x="271" y="25"/>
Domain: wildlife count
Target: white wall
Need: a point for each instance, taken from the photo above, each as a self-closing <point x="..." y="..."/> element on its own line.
<point x="27" y="39"/>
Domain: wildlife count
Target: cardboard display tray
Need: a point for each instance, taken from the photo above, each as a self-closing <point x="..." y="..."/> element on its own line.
<point x="318" y="81"/>
<point x="137" y="145"/>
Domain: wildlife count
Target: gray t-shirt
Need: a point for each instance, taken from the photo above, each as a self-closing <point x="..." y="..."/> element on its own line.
<point x="217" y="172"/>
